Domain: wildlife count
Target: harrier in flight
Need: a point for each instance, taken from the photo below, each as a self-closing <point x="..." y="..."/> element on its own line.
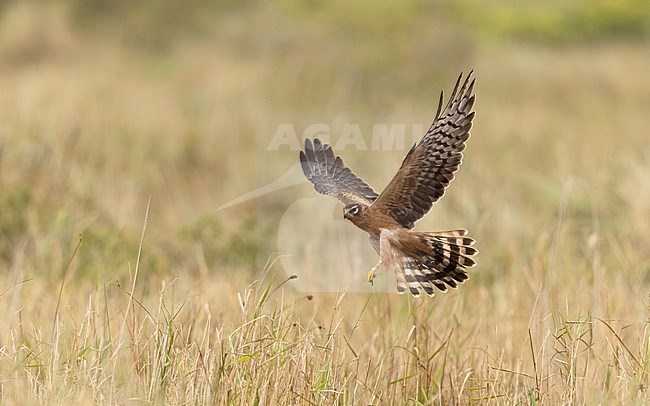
<point x="421" y="260"/>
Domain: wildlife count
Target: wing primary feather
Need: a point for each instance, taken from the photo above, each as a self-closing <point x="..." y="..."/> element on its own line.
<point x="304" y="164"/>
<point x="330" y="176"/>
<point x="440" y="102"/>
<point x="453" y="93"/>
<point x="429" y="167"/>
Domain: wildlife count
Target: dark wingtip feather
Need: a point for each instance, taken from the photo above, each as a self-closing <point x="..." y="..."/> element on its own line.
<point x="317" y="144"/>
<point x="337" y="165"/>
<point x="308" y="144"/>
<point x="310" y="156"/>
<point x="453" y="93"/>
<point x="329" y="174"/>
<point x="470" y="89"/>
<point x="442" y="99"/>
<point x="306" y="169"/>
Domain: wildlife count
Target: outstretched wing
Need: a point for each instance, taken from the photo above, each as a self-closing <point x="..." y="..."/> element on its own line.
<point x="331" y="177"/>
<point x="429" y="166"/>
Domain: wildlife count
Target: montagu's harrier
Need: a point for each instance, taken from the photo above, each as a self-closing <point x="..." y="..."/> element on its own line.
<point x="421" y="260"/>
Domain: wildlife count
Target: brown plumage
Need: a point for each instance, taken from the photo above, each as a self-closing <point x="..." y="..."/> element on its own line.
<point x="421" y="260"/>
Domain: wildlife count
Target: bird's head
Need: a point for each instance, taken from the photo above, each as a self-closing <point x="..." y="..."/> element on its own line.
<point x="353" y="211"/>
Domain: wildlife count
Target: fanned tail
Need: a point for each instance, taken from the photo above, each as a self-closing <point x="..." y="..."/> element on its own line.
<point x="434" y="259"/>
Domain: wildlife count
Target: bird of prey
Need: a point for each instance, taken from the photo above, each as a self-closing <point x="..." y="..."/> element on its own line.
<point x="421" y="260"/>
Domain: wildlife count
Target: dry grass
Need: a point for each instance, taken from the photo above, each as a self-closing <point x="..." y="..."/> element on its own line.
<point x="107" y="299"/>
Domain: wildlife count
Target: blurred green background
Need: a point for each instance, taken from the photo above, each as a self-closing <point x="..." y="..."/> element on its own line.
<point x="104" y="104"/>
<point x="107" y="105"/>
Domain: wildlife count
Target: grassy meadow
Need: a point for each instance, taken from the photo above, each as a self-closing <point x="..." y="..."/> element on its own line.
<point x="123" y="130"/>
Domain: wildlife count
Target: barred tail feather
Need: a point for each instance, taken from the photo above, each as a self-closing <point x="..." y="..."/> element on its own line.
<point x="433" y="259"/>
<point x="449" y="257"/>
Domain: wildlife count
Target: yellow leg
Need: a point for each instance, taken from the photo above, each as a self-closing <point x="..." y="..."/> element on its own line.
<point x="371" y="273"/>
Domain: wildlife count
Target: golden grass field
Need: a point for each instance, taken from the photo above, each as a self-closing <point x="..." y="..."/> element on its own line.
<point x="121" y="136"/>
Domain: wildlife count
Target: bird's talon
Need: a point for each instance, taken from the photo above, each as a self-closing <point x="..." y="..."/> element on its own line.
<point x="371" y="275"/>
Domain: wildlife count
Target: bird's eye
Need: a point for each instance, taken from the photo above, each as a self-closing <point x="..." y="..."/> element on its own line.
<point x="354" y="210"/>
